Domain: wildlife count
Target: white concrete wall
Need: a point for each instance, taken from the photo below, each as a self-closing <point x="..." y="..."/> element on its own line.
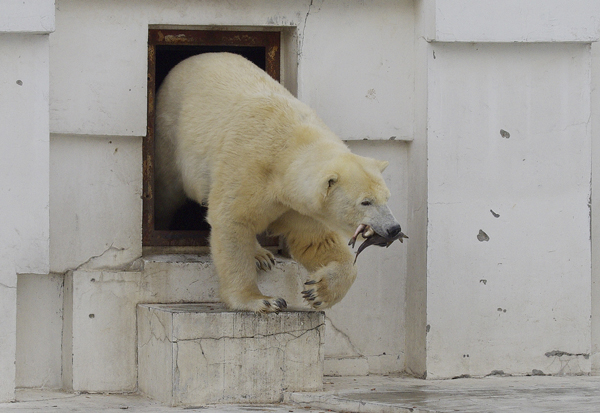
<point x="25" y="158"/>
<point x="95" y="201"/>
<point x="511" y="20"/>
<point x="595" y="356"/>
<point x="369" y="69"/>
<point x="416" y="282"/>
<point x="39" y="330"/>
<point x="354" y="70"/>
<point x="539" y="177"/>
<point x="507" y="302"/>
<point x="24" y="135"/>
<point x="30" y="16"/>
<point x="98" y="76"/>
<point x="98" y="106"/>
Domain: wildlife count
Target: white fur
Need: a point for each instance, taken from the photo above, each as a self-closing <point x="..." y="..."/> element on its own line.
<point x="230" y="136"/>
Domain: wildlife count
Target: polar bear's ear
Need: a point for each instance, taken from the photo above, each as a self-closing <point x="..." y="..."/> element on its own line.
<point x="382" y="165"/>
<point x="329" y="184"/>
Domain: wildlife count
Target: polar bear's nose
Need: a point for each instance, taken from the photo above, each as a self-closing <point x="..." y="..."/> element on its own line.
<point x="393" y="232"/>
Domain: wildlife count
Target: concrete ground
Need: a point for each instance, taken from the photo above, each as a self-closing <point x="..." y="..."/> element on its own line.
<point x="363" y="394"/>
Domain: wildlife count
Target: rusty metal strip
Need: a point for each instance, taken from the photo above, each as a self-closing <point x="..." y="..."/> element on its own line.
<point x="148" y="233"/>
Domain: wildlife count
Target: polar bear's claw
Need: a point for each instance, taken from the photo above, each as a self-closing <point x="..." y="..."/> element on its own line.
<point x="265" y="260"/>
<point x="313" y="294"/>
<point x="323" y="292"/>
<point x="272" y="305"/>
<point x="263" y="265"/>
<point x="316" y="296"/>
<point x="309" y="294"/>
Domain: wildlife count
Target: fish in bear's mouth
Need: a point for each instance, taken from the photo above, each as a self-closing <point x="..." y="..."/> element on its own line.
<point x="372" y="238"/>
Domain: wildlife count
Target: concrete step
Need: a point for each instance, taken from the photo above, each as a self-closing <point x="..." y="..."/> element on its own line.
<point x="100" y="340"/>
<point x="195" y="354"/>
<point x="177" y="273"/>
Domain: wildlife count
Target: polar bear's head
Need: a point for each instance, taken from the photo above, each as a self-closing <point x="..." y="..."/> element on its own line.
<point x="354" y="194"/>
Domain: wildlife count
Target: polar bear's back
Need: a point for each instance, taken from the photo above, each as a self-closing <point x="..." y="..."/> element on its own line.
<point x="218" y="107"/>
<point x="230" y="72"/>
<point x="209" y="94"/>
<point x="214" y="81"/>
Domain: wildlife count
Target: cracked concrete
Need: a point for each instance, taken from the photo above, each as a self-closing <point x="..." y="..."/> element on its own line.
<point x="343" y="357"/>
<point x="302" y="35"/>
<point x="256" y="336"/>
<point x="344" y="346"/>
<point x="200" y="353"/>
<point x="112" y="296"/>
<point x="112" y="258"/>
<point x="570" y="363"/>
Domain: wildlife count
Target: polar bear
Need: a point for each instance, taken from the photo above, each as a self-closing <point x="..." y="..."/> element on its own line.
<point x="230" y="137"/>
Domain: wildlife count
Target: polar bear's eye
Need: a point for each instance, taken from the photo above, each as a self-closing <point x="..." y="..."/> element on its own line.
<point x="366" y="202"/>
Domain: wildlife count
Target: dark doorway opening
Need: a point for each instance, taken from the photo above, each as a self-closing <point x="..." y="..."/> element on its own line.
<point x="166" y="48"/>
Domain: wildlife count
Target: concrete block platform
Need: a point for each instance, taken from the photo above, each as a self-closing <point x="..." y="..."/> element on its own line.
<point x="100" y="307"/>
<point x="190" y="354"/>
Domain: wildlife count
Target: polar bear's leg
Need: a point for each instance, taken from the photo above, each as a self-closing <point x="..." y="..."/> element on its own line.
<point x="324" y="253"/>
<point x="233" y="247"/>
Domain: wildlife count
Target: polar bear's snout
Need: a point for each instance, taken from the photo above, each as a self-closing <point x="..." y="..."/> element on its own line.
<point x="393" y="231"/>
<point x="383" y="222"/>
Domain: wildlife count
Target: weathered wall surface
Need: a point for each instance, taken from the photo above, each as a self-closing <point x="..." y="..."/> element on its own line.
<point x="24" y="84"/>
<point x="98" y="75"/>
<point x="98" y="114"/>
<point x="95" y="201"/>
<point x="39" y="332"/>
<point x="512" y="21"/>
<point x="508" y="135"/>
<point x="595" y="320"/>
<point x="496" y="98"/>
<point x="25" y="158"/>
<point x="509" y="186"/>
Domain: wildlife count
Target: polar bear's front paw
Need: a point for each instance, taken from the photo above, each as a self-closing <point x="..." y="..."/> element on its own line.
<point x="318" y="295"/>
<point x="329" y="284"/>
<point x="256" y="303"/>
<point x="264" y="259"/>
<point x="273" y="305"/>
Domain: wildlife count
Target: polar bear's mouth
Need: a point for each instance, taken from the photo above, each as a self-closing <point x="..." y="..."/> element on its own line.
<point x="372" y="238"/>
<point x="365" y="230"/>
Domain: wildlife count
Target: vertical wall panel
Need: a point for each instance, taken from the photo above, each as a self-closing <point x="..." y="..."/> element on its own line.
<point x="509" y="221"/>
